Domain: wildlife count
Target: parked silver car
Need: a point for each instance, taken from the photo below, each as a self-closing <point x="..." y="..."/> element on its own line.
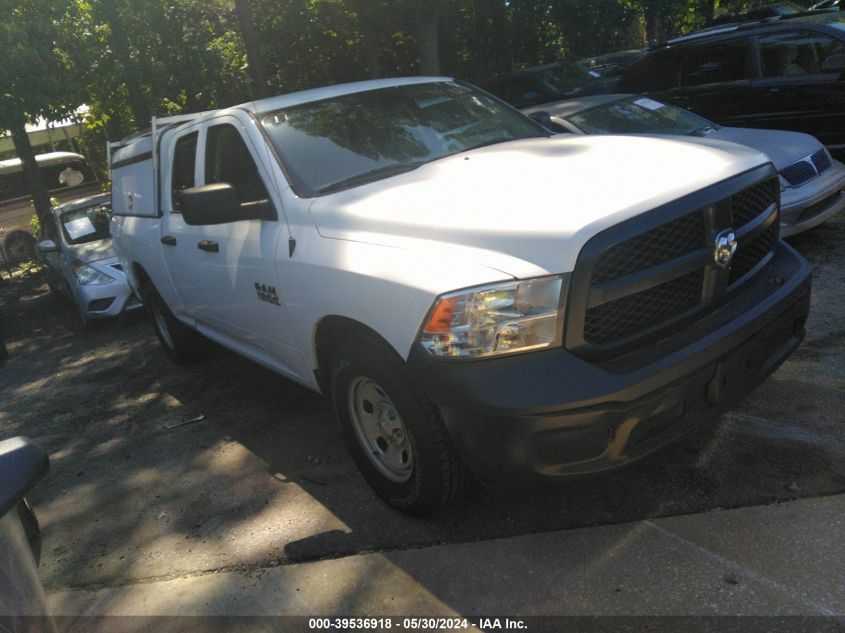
<point x="80" y="261"/>
<point x="812" y="184"/>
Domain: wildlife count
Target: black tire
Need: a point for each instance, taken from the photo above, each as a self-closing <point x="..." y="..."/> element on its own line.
<point x="82" y="318"/>
<point x="55" y="292"/>
<point x="435" y="475"/>
<point x="19" y="247"/>
<point x="80" y="322"/>
<point x="183" y="345"/>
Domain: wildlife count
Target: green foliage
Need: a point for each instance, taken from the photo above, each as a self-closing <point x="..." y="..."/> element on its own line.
<point x="134" y="58"/>
<point x="38" y="76"/>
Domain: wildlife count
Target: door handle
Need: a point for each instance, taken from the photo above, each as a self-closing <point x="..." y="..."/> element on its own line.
<point x="208" y="245"/>
<point x="168" y="239"/>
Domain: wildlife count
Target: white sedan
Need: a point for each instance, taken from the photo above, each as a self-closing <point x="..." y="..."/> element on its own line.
<point x="812" y="184"/>
<point x="80" y="261"/>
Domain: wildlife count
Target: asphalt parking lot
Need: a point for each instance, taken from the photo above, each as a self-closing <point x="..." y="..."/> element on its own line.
<point x="140" y="492"/>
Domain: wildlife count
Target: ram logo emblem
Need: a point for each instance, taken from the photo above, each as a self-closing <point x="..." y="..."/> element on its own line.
<point x="267" y="293"/>
<point x="724" y="248"/>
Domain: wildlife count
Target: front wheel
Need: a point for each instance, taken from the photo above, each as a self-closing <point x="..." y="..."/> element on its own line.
<point x="394" y="433"/>
<point x="182" y="344"/>
<point x="82" y="322"/>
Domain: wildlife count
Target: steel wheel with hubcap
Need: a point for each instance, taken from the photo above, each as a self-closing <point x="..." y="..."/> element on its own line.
<point x="182" y="344"/>
<point x="380" y="429"/>
<point x="393" y="432"/>
<point x="161" y="326"/>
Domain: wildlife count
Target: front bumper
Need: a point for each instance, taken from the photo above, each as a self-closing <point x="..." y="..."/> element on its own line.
<point x="106" y="300"/>
<point x="551" y="414"/>
<point x="809" y="205"/>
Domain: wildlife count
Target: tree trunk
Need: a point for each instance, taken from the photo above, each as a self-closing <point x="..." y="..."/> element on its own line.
<point x="31" y="174"/>
<point x="253" y="53"/>
<point x="427" y="39"/>
<point x="137" y="103"/>
<point x="652" y="25"/>
<point x="502" y="53"/>
<point x="369" y="40"/>
<point x="709" y="11"/>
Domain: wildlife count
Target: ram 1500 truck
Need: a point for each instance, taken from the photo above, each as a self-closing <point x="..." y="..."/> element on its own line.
<point x="472" y="294"/>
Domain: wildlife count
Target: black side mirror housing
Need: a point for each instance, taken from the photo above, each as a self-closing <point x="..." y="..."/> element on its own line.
<point x="22" y="464"/>
<point x="218" y="203"/>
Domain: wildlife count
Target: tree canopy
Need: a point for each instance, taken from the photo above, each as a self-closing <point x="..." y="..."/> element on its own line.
<point x="129" y="59"/>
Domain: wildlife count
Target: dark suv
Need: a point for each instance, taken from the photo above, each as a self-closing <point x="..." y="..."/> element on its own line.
<point x="544" y="84"/>
<point x="786" y="74"/>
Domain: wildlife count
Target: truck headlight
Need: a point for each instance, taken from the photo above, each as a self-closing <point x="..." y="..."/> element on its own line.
<point x="513" y="316"/>
<point x="89" y="276"/>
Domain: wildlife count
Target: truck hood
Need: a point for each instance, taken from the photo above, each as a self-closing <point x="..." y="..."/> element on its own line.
<point x="527" y="207"/>
<point x="784" y="148"/>
<point x="93" y="251"/>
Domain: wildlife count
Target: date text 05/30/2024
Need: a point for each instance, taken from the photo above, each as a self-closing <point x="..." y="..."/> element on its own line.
<point x="416" y="624"/>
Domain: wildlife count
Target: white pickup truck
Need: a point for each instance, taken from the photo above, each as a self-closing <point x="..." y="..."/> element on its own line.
<point x="472" y="294"/>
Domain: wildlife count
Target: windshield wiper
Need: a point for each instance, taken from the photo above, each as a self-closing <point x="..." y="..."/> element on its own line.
<point x="702" y="131"/>
<point x="487" y="143"/>
<point x="370" y="176"/>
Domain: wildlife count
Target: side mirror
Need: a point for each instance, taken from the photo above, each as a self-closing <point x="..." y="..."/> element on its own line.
<point x="834" y="63"/>
<point x="543" y="118"/>
<point x="218" y="203"/>
<point x="47" y="246"/>
<point x="22" y="464"/>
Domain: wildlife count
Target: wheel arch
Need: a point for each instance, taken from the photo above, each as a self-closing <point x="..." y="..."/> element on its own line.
<point x="139" y="276"/>
<point x="329" y="332"/>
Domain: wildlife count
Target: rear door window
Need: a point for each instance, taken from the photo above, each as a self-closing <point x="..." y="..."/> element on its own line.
<point x="721" y="62"/>
<point x="796" y="53"/>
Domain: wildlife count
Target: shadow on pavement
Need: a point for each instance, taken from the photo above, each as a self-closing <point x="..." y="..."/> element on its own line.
<point x="264" y="480"/>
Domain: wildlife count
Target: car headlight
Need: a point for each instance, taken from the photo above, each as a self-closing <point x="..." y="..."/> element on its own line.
<point x="513" y="316"/>
<point x="89" y="276"/>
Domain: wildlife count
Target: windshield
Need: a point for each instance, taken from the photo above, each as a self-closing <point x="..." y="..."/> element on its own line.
<point x="346" y="141"/>
<point x="564" y="76"/>
<point x="638" y="115"/>
<point x="544" y="84"/>
<point x="86" y="225"/>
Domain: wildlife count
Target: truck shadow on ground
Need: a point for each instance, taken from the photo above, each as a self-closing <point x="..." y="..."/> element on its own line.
<point x="264" y="479"/>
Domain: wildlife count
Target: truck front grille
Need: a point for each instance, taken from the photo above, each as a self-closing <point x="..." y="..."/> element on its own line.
<point x="620" y="318"/>
<point x="661" y="244"/>
<point x="636" y="281"/>
<point x="752" y="253"/>
<point x="749" y="203"/>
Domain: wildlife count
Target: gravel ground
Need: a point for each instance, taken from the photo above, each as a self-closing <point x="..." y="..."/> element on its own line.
<point x="264" y="480"/>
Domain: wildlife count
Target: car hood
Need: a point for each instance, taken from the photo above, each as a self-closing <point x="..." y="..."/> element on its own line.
<point x="527" y="207"/>
<point x="93" y="251"/>
<point x="784" y="148"/>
